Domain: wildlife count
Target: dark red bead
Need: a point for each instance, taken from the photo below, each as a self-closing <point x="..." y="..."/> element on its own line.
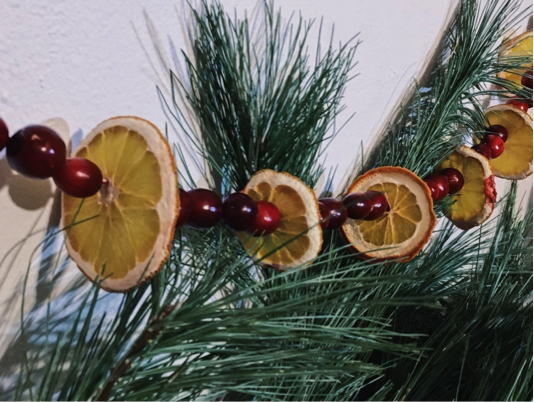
<point x="4" y="134"/>
<point x="483" y="149"/>
<point x="239" y="211"/>
<point x="434" y="190"/>
<point x="518" y="104"/>
<point x="526" y="79"/>
<point x="325" y="213"/>
<point x="79" y="177"/>
<point x="337" y="214"/>
<point x="455" y="179"/>
<point x="36" y="151"/>
<point x="495" y="144"/>
<point x="441" y="183"/>
<point x="498" y="130"/>
<point x="185" y="208"/>
<point x="206" y="209"/>
<point x="358" y="205"/>
<point x="379" y="205"/>
<point x="266" y="221"/>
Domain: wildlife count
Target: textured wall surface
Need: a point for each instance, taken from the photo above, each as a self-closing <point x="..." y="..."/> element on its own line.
<point x="87" y="61"/>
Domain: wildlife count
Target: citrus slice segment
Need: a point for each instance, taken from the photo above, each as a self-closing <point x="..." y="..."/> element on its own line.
<point x="521" y="45"/>
<point x="124" y="232"/>
<point x="475" y="202"/>
<point x="299" y="237"/>
<point x="515" y="163"/>
<point x="401" y="232"/>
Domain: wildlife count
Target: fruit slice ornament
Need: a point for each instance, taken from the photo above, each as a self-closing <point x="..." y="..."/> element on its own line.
<point x="515" y="163"/>
<point x="400" y="233"/>
<point x="126" y="229"/>
<point x="521" y="45"/>
<point x="475" y="202"/>
<point x="299" y="221"/>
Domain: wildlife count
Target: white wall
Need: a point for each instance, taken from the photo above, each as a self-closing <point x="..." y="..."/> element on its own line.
<point x="86" y="61"/>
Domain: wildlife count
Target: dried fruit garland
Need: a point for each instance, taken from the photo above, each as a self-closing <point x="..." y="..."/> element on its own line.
<point x="125" y="172"/>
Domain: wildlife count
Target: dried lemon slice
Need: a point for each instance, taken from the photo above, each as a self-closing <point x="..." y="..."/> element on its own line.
<point x="475" y="202"/>
<point x="515" y="163"/>
<point x="521" y="45"/>
<point x="299" y="221"/>
<point x="401" y="232"/>
<point x="127" y="228"/>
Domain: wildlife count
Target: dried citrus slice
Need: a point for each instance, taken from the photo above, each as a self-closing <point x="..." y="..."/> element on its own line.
<point x="126" y="229"/>
<point x="515" y="163"/>
<point x="474" y="203"/>
<point x="299" y="221"/>
<point x="521" y="45"/>
<point x="401" y="232"/>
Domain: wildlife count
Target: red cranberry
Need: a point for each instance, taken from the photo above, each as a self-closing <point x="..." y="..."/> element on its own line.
<point x="358" y="205"/>
<point x="483" y="149"/>
<point x="441" y="184"/>
<point x="434" y="190"/>
<point x="185" y="208"/>
<point x="498" y="130"/>
<point x="266" y="221"/>
<point x="455" y="179"/>
<point x="495" y="144"/>
<point x="379" y="205"/>
<point x="518" y="104"/>
<point x="325" y="213"/>
<point x="206" y="209"/>
<point x="4" y="134"/>
<point x="337" y="214"/>
<point x="36" y="151"/>
<point x="526" y="79"/>
<point x="79" y="177"/>
<point x="239" y="211"/>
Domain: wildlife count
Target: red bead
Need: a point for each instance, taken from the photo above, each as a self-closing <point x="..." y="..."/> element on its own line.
<point x="325" y="213"/>
<point x="206" y="209"/>
<point x="79" y="177"/>
<point x="4" y="134"/>
<point x="455" y="179"/>
<point x="185" y="208"/>
<point x="441" y="184"/>
<point x="498" y="130"/>
<point x="337" y="214"/>
<point x="483" y="149"/>
<point x="36" y="151"/>
<point x="495" y="144"/>
<point x="358" y="205"/>
<point x="266" y="221"/>
<point x="518" y="104"/>
<point x="433" y="189"/>
<point x="239" y="211"/>
<point x="526" y="79"/>
<point x="379" y="205"/>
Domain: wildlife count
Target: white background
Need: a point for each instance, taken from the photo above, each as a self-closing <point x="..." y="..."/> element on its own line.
<point x="86" y="61"/>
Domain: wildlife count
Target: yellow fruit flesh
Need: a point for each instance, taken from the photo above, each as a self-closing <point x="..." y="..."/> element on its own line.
<point x="521" y="48"/>
<point x="517" y="155"/>
<point x="471" y="199"/>
<point x="292" y="223"/>
<point x="397" y="225"/>
<point x="125" y="209"/>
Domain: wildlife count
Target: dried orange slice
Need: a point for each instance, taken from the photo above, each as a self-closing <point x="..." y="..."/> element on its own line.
<point x="474" y="203"/>
<point x="521" y="45"/>
<point x="126" y="229"/>
<point x="299" y="237"/>
<point x="515" y="163"/>
<point x="402" y="232"/>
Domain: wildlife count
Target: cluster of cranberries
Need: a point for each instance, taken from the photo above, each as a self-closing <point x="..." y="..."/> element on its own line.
<point x="448" y="181"/>
<point x="202" y="209"/>
<point x="39" y="152"/>
<point x="368" y="206"/>
<point x="492" y="145"/>
<point x="521" y="103"/>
